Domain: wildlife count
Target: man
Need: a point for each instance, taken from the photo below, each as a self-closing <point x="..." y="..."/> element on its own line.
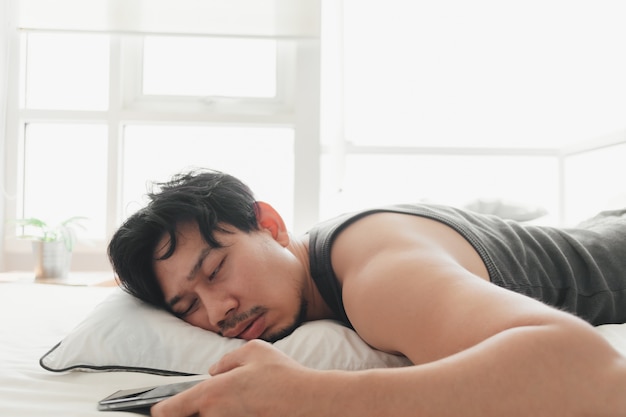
<point x="465" y="297"/>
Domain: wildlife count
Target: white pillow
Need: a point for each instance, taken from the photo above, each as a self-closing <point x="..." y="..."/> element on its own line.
<point x="125" y="334"/>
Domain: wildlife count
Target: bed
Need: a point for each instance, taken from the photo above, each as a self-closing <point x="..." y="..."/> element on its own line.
<point x="63" y="348"/>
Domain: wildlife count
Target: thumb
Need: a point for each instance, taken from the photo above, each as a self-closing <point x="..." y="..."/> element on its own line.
<point x="228" y="362"/>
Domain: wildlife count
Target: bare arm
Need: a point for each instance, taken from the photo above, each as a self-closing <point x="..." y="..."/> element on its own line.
<point x="519" y="372"/>
<point x="550" y="370"/>
<point x="486" y="350"/>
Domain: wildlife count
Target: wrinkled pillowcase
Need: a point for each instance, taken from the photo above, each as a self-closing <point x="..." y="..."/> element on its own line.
<point x="125" y="334"/>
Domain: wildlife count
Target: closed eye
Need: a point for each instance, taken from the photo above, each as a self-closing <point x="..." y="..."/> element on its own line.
<point x="215" y="271"/>
<point x="189" y="309"/>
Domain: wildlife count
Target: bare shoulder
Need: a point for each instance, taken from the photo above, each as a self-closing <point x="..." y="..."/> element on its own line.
<point x="388" y="234"/>
<point x="415" y="286"/>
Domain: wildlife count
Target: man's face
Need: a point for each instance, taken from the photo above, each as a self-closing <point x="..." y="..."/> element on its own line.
<point x="251" y="288"/>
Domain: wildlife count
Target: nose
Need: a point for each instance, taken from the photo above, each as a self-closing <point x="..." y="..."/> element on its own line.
<point x="218" y="305"/>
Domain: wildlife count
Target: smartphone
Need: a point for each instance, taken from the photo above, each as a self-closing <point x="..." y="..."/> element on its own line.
<point x="141" y="399"/>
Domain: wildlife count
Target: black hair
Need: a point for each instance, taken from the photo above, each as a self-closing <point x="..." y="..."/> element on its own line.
<point x="209" y="198"/>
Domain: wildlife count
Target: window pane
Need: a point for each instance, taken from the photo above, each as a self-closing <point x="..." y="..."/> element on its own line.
<point x="67" y="71"/>
<point x="483" y="73"/>
<point x="209" y="67"/>
<point x="594" y="182"/>
<point x="372" y="180"/>
<point x="262" y="157"/>
<point x="65" y="174"/>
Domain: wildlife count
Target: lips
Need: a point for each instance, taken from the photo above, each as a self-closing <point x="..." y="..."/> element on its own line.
<point x="252" y="329"/>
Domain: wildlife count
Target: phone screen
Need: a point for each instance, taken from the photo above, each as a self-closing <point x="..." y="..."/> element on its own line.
<point x="135" y="398"/>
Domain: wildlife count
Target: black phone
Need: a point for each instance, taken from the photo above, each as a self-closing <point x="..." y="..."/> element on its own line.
<point x="141" y="399"/>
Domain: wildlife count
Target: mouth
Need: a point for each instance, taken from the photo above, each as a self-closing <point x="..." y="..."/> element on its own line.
<point x="252" y="329"/>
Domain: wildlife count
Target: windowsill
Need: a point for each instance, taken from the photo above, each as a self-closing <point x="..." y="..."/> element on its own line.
<point x="75" y="278"/>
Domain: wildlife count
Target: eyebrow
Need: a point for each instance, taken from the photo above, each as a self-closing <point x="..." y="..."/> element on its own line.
<point x="191" y="275"/>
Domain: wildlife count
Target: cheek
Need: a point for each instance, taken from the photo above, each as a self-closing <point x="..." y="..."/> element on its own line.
<point x="200" y="319"/>
<point x="256" y="264"/>
<point x="268" y="273"/>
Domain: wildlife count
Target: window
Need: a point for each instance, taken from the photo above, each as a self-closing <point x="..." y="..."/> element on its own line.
<point x="539" y="74"/>
<point x="209" y="67"/>
<point x="415" y="101"/>
<point x="101" y="117"/>
<point x="262" y="157"/>
<point x="66" y="72"/>
<point x="457" y="180"/>
<point x="65" y="173"/>
<point x="454" y="101"/>
<point x="593" y="182"/>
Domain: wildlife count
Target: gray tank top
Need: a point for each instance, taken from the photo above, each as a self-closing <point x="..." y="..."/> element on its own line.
<point x="581" y="270"/>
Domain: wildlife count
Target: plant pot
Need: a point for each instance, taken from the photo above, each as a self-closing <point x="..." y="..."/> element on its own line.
<point x="52" y="259"/>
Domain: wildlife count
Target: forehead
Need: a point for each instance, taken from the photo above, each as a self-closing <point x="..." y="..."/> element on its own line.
<point x="191" y="247"/>
<point x="188" y="242"/>
<point x="187" y="234"/>
<point x="174" y="271"/>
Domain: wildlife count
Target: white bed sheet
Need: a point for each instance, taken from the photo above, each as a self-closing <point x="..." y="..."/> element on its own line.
<point x="35" y="317"/>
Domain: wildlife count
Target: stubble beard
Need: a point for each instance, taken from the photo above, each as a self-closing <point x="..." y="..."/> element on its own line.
<point x="299" y="318"/>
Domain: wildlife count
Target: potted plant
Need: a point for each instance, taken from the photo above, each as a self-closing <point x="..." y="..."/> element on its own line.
<point x="52" y="244"/>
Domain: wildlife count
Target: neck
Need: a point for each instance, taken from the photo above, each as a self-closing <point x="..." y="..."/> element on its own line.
<point x="317" y="307"/>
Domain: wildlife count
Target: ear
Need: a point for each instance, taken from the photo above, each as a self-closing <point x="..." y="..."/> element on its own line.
<point x="269" y="219"/>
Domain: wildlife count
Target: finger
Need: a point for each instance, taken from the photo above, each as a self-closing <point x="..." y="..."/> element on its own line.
<point x="184" y="404"/>
<point x="237" y="357"/>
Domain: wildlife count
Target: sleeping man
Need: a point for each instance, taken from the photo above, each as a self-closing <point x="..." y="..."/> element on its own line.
<point x="496" y="316"/>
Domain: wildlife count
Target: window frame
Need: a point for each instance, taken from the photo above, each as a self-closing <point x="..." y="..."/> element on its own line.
<point x="296" y="106"/>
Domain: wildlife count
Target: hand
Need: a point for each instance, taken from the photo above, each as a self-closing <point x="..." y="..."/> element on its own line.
<point x="254" y="380"/>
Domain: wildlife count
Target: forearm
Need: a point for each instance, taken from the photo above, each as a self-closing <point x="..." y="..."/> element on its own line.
<point x="536" y="370"/>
